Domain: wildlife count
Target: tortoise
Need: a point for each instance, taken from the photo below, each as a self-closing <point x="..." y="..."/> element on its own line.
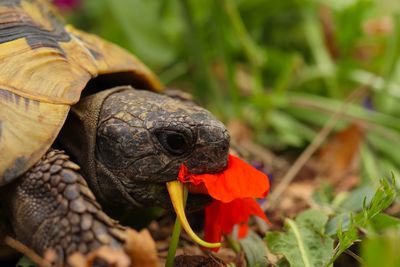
<point x="63" y="88"/>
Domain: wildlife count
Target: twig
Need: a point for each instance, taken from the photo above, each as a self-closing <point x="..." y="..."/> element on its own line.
<point x="312" y="147"/>
<point x="354" y="256"/>
<point x="33" y="256"/>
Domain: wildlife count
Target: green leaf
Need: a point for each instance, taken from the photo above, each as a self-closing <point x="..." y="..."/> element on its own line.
<point x="382" y="199"/>
<point x="25" y="262"/>
<point x="383" y="250"/>
<point x="325" y="104"/>
<point x="289" y="129"/>
<point x="341" y="221"/>
<point x="254" y="250"/>
<point x="354" y="200"/>
<point x="384" y="145"/>
<point x="383" y="221"/>
<point x="304" y="242"/>
<point x="346" y="239"/>
<point x="141" y="24"/>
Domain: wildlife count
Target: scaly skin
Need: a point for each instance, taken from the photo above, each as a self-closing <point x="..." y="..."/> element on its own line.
<point x="129" y="143"/>
<point x="122" y="139"/>
<point x="51" y="207"/>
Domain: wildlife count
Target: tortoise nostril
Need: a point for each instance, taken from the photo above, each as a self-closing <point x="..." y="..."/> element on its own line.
<point x="225" y="148"/>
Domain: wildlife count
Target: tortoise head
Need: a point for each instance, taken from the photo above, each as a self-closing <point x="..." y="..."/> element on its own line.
<point x="141" y="140"/>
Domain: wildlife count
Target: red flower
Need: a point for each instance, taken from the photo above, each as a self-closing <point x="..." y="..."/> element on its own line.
<point x="221" y="217"/>
<point x="238" y="180"/>
<point x="234" y="191"/>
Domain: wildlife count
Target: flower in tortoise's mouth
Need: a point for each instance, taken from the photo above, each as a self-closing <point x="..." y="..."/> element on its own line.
<point x="233" y="191"/>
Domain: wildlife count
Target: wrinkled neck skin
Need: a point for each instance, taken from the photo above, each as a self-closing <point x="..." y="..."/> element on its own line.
<point x="129" y="143"/>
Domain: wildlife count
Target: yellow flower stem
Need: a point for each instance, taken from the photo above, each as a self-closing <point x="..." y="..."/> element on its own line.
<point x="176" y="192"/>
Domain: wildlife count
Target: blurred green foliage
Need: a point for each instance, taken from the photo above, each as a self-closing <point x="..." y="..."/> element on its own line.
<point x="282" y="66"/>
<point x="382" y="250"/>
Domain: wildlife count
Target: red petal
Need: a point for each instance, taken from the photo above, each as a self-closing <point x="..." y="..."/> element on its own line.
<point x="243" y="230"/>
<point x="212" y="226"/>
<point x="238" y="180"/>
<point x="221" y="217"/>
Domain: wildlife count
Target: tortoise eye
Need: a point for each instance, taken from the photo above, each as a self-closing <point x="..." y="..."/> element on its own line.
<point x="174" y="142"/>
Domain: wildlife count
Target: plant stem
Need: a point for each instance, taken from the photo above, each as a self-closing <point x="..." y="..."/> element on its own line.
<point x="233" y="243"/>
<point x="175" y="237"/>
<point x="173" y="243"/>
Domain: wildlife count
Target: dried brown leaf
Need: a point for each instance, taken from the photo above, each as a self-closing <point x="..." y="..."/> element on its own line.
<point x="239" y="131"/>
<point x="377" y="26"/>
<point x="104" y="256"/>
<point x="339" y="158"/>
<point x="141" y="248"/>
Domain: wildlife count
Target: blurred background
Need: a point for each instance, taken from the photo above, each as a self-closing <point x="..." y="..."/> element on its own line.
<point x="282" y="75"/>
<point x="280" y="67"/>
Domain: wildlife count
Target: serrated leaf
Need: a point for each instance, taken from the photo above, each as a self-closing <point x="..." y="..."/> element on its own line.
<point x="254" y="250"/>
<point x="346" y="237"/>
<point x="304" y="242"/>
<point x="382" y="199"/>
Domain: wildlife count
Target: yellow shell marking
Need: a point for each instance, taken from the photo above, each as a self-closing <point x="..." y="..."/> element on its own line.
<point x="28" y="128"/>
<point x="47" y="65"/>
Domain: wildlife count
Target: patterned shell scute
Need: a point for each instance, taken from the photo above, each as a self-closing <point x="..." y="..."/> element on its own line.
<point x="44" y="66"/>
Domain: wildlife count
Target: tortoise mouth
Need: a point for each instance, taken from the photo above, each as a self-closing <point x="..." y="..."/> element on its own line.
<point x="155" y="194"/>
<point x="152" y="190"/>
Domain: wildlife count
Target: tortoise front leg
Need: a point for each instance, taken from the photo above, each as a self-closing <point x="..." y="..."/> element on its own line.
<point x="51" y="207"/>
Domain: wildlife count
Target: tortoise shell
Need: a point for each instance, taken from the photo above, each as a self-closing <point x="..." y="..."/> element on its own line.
<point x="44" y="66"/>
